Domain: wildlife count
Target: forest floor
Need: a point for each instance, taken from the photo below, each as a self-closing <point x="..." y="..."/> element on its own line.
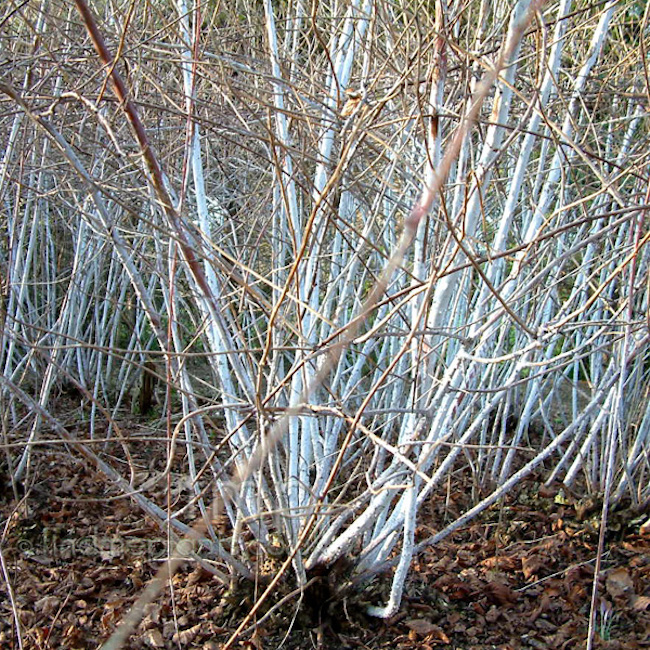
<point x="77" y="554"/>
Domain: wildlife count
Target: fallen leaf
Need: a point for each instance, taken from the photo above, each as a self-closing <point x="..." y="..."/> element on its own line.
<point x="459" y="590"/>
<point x="439" y="635"/>
<point x="619" y="583"/>
<point x="72" y="635"/>
<point x="492" y="615"/>
<point x="198" y="575"/>
<point x="85" y="588"/>
<point x="185" y="637"/>
<point x="153" y="638"/>
<point x="530" y="566"/>
<point x="152" y="616"/>
<point x="502" y="562"/>
<point x="47" y="605"/>
<point x="576" y="593"/>
<point x="500" y="593"/>
<point x="420" y="625"/>
<point x="544" y="604"/>
<point x="640" y="603"/>
<point x="423" y="628"/>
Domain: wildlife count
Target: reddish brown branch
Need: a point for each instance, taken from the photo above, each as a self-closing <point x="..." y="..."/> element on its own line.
<point x="153" y="166"/>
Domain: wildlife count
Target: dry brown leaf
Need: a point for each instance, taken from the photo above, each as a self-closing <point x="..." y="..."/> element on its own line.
<point x="640" y="603"/>
<point x="185" y="637"/>
<point x="577" y="593"/>
<point x="421" y="626"/>
<point x="72" y="635"/>
<point x="197" y="576"/>
<point x="543" y="605"/>
<point x="493" y="614"/>
<point x="500" y="593"/>
<point x="458" y="590"/>
<point x="111" y="613"/>
<point x="153" y="638"/>
<point x="86" y="587"/>
<point x="502" y="562"/>
<point x="619" y="583"/>
<point x="151" y="616"/>
<point x="439" y="635"/>
<point x="530" y="566"/>
<point x="47" y="605"/>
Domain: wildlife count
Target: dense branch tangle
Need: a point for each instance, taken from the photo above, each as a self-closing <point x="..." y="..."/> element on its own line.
<point x="251" y="180"/>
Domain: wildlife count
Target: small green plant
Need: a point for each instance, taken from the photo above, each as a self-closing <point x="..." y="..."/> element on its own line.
<point x="605" y="618"/>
